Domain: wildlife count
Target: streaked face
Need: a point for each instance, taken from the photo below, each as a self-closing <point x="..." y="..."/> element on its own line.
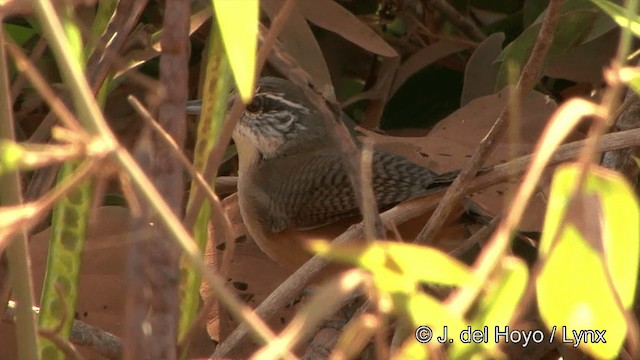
<point x="271" y="121"/>
<point x="277" y="120"/>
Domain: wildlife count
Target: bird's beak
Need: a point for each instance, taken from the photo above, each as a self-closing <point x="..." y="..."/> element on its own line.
<point x="193" y="107"/>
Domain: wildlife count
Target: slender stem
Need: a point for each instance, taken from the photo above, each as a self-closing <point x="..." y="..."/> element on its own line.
<point x="94" y="122"/>
<point x="525" y="83"/>
<point x="17" y="253"/>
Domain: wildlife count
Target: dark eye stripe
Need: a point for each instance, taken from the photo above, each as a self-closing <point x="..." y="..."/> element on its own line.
<point x="268" y="104"/>
<point x="255" y="105"/>
<point x="265" y="104"/>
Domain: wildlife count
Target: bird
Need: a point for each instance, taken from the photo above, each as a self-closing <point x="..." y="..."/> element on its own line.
<point x="292" y="179"/>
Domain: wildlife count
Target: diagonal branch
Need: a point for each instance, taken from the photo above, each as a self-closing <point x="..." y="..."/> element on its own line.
<point x="527" y="79"/>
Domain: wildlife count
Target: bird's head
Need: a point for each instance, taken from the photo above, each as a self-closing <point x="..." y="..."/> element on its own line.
<point x="280" y="121"/>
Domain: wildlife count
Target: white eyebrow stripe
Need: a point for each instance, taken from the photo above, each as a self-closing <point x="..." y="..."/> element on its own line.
<point x="280" y="98"/>
<point x="292" y="119"/>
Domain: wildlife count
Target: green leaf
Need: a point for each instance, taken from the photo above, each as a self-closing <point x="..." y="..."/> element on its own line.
<point x="19" y="34"/>
<point x="531" y="10"/>
<point x="619" y="15"/>
<point x="105" y="11"/>
<point x="411" y="349"/>
<point x="424" y="310"/>
<point x="504" y="294"/>
<point x="74" y="35"/>
<point x="69" y="223"/>
<point x="398" y="269"/>
<point x="426" y="264"/>
<point x="367" y="257"/>
<point x="238" y="22"/>
<point x="11" y="154"/>
<point x="631" y="76"/>
<point x="590" y="245"/>
<point x="601" y="25"/>
<point x="496" y="308"/>
<point x="580" y="22"/>
<point x="216" y="85"/>
<point x="419" y="263"/>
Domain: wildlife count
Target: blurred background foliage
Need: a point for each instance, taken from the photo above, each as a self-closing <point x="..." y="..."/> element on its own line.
<point x="432" y="90"/>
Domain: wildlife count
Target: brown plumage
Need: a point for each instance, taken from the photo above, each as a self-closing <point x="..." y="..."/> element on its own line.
<point x="291" y="176"/>
<point x="307" y="190"/>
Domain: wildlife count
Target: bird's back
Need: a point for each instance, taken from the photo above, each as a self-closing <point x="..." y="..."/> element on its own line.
<point x="313" y="189"/>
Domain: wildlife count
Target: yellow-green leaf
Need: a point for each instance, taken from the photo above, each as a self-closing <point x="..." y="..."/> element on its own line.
<point x="425" y="310"/>
<point x="498" y="306"/>
<point x="426" y="264"/>
<point x="418" y="263"/>
<point x="411" y="349"/>
<point x="495" y="310"/>
<point x="11" y="154"/>
<point x="590" y="245"/>
<point x="574" y="26"/>
<point x="631" y="76"/>
<point x="238" y="22"/>
<point x="618" y="14"/>
<point x="364" y="256"/>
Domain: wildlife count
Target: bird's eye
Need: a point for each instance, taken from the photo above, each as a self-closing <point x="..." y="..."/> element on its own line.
<point x="255" y="105"/>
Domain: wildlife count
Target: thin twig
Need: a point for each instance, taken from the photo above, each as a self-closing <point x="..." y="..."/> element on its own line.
<point x="627" y="117"/>
<point x="560" y="125"/>
<point x="421" y="27"/>
<point x="458" y="20"/>
<point x="220" y="214"/>
<point x="525" y="83"/>
<point x="95" y="123"/>
<point x="195" y="175"/>
<point x="331" y="114"/>
<point x="329" y="298"/>
<point x="58" y="107"/>
<point x="366" y="182"/>
<point x="10" y="8"/>
<point x="478" y="237"/>
<point x="113" y="40"/>
<point x="157" y="257"/>
<point x="64" y="346"/>
<point x="588" y="156"/>
<point x="34" y="56"/>
<point x="22" y="217"/>
<point x="233" y="115"/>
<point x="406" y="211"/>
<point x="17" y="250"/>
<point x="83" y="334"/>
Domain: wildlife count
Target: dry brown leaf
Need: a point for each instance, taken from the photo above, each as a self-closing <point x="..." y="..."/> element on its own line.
<point x="10" y="8"/>
<point x="101" y="285"/>
<point x="453" y="140"/>
<point x="301" y="43"/>
<point x="329" y="15"/>
<point x="102" y="282"/>
<point x="423" y="58"/>
<point x="585" y="63"/>
<point x="252" y="276"/>
<point x="481" y="71"/>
